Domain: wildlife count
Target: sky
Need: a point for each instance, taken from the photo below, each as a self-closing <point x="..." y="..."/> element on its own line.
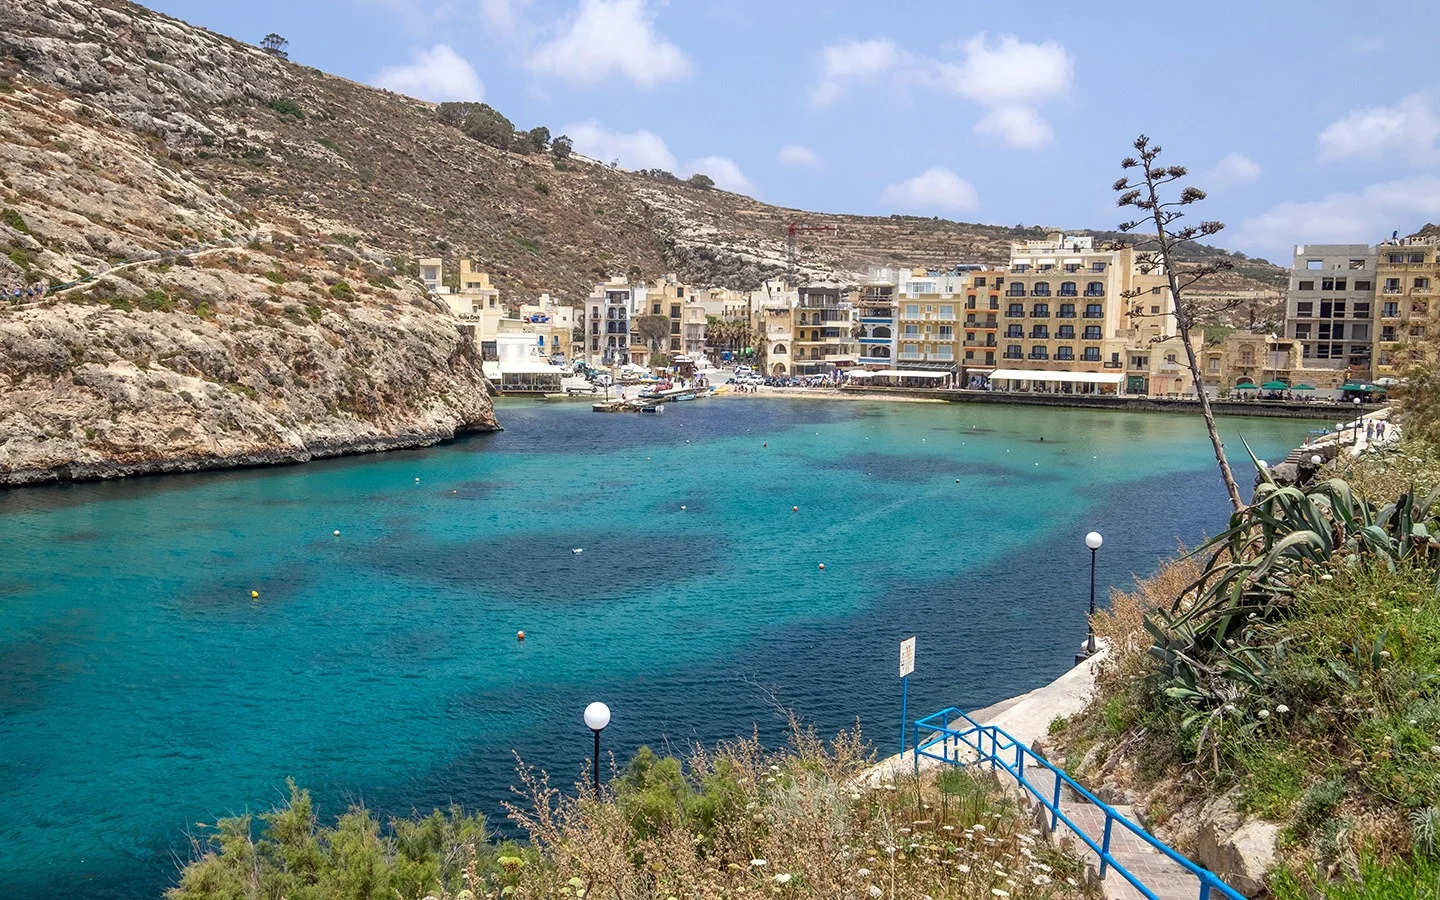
<point x="1305" y="122"/>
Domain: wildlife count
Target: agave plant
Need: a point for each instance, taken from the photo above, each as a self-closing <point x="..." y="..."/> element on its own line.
<point x="1284" y="535"/>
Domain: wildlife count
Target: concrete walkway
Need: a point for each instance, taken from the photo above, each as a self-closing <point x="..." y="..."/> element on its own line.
<point x="1027" y="718"/>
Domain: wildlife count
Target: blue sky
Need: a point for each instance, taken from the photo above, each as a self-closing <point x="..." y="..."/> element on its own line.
<point x="1305" y="122"/>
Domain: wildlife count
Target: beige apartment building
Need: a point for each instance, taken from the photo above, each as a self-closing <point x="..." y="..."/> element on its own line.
<point x="773" y="320"/>
<point x="1329" y="308"/>
<point x="607" y="322"/>
<point x="1407" y="274"/>
<point x="824" y="326"/>
<point x="1073" y="317"/>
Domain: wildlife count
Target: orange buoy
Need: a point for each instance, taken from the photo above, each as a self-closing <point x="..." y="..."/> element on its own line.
<point x="519" y="635"/>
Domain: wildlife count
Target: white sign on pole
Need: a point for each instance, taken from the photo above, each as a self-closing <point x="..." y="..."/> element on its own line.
<point x="907" y="656"/>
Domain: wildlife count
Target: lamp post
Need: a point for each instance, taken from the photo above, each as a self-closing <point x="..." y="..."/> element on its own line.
<point x="1093" y="540"/>
<point x="597" y="716"/>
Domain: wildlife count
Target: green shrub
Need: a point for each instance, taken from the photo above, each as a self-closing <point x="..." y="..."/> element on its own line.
<point x="156" y="301"/>
<point x="314" y="311"/>
<point x="342" y="291"/>
<point x="287" y="107"/>
<point x="13" y="218"/>
<point x="275" y="276"/>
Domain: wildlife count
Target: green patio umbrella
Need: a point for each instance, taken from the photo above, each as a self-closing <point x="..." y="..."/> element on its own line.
<point x="1350" y="386"/>
<point x="1304" y="387"/>
<point x="1274" y="386"/>
<point x="1245" y="386"/>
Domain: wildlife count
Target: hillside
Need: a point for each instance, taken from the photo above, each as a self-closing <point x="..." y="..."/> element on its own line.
<point x="315" y="152"/>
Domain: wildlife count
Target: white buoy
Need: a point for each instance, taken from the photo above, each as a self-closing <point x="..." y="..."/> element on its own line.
<point x="578" y="550"/>
<point x="682" y="507"/>
<point x="337" y="532"/>
<point x="417" y="481"/>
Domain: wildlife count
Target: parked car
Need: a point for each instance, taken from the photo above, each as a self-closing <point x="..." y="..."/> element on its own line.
<point x="601" y="378"/>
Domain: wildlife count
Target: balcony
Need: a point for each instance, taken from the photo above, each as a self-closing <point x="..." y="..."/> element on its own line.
<point x="1039" y="315"/>
<point x="1094" y="315"/>
<point x="1109" y="363"/>
<point x="1090" y="293"/>
<point x="1009" y="355"/>
<point x="979" y="344"/>
<point x="1069" y="293"/>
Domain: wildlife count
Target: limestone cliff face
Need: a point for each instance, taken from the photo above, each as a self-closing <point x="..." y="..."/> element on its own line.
<point x="285" y="344"/>
<point x="222" y="372"/>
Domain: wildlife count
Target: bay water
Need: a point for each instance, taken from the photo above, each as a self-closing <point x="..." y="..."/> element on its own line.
<point x="143" y="690"/>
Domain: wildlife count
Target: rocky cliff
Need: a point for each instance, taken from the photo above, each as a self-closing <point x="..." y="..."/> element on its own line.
<point x="280" y="344"/>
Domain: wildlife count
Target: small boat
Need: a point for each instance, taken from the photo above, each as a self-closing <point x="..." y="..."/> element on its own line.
<point x="677" y="399"/>
<point x="653" y="408"/>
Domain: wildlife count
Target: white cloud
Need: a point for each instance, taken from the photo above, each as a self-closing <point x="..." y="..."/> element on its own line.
<point x="635" y="149"/>
<point x="723" y="171"/>
<point x="1235" y="168"/>
<point x="502" y="15"/>
<point x="1410" y="128"/>
<point x="607" y="38"/>
<point x="852" y="61"/>
<point x="1017" y="126"/>
<point x="800" y="156"/>
<point x="1349" y="217"/>
<point x="437" y="74"/>
<point x="1010" y="71"/>
<point x="1007" y="76"/>
<point x="936" y="188"/>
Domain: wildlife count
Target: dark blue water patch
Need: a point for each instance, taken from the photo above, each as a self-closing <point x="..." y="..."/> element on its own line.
<point x="77" y="537"/>
<point x="545" y="568"/>
<point x="228" y="599"/>
<point x="478" y="490"/>
<point x="15" y="587"/>
<point x="896" y="469"/>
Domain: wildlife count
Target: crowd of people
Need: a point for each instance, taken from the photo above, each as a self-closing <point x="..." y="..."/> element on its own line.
<point x="17" y="292"/>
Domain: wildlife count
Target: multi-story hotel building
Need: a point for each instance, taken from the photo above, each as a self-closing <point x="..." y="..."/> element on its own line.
<point x="1330" y="306"/>
<point x="607" y="322"/>
<point x="823" y="325"/>
<point x="875" y="304"/>
<point x="1407" y="273"/>
<point x="930" y="305"/>
<point x="773" y="308"/>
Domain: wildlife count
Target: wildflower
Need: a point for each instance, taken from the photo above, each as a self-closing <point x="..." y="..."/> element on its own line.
<point x="977" y="827"/>
<point x="890" y="850"/>
<point x="1263" y="714"/>
<point x="1435" y="749"/>
<point x="947" y="827"/>
<point x="1035" y="831"/>
<point x="757" y="863"/>
<point x="963" y="869"/>
<point x="1041" y="880"/>
<point x="1229" y="708"/>
<point x="875" y="891"/>
<point x="1282" y="709"/>
<point x="863" y="873"/>
<point x="854" y="796"/>
<point x="999" y="893"/>
<point x="1327" y="577"/>
<point x="783" y="878"/>
<point x="1384" y="654"/>
<point x="1072" y="882"/>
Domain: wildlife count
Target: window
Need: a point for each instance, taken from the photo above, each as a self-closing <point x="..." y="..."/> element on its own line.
<point x="1364" y="285"/>
<point x="1040" y="333"/>
<point x="1422" y="284"/>
<point x="1392" y="285"/>
<point x="1314" y="264"/>
<point x="1154" y="310"/>
<point x="1015" y="331"/>
<point x="1047" y="267"/>
<point x="1417" y="331"/>
<point x="1212" y="365"/>
<point x="947" y="312"/>
<point x="1420" y="308"/>
<point x="1417" y="257"/>
<point x="1302" y="331"/>
<point x="1095" y="289"/>
<point x="912" y="332"/>
<point x="1022" y="268"/>
<point x="1092" y="332"/>
<point x="1362" y="310"/>
<point x="674" y="310"/>
<point x="1395" y="258"/>
<point x="1327" y="284"/>
<point x="1387" y="333"/>
<point x="1091" y="354"/>
<point x="655" y="309"/>
<point x="1097" y="267"/>
<point x="1067" y="289"/>
<point x="1306" y="285"/>
<point x="1041" y="289"/>
<point x="1040" y="311"/>
<point x="979" y="280"/>
<point x="1065" y="332"/>
<point x="1094" y="311"/>
<point x="1067" y="310"/>
<point x="1016" y="311"/>
<point x="1012" y="351"/>
<point x="1064" y="352"/>
<point x="1072" y="267"/>
<point x="947" y="333"/>
<point x="1039" y="353"/>
<point x="1357" y="264"/>
<point x="912" y="310"/>
<point x="1305" y="309"/>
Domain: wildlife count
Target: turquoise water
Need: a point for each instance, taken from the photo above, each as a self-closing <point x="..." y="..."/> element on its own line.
<point x="141" y="690"/>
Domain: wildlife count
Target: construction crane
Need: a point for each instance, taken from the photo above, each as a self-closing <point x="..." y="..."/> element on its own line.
<point x="791" y="230"/>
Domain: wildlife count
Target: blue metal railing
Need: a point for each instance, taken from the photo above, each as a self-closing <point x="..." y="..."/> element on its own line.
<point x="989" y="742"/>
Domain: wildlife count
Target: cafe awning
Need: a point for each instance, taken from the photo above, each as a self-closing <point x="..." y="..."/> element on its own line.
<point x="1274" y="386"/>
<point x="1047" y="375"/>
